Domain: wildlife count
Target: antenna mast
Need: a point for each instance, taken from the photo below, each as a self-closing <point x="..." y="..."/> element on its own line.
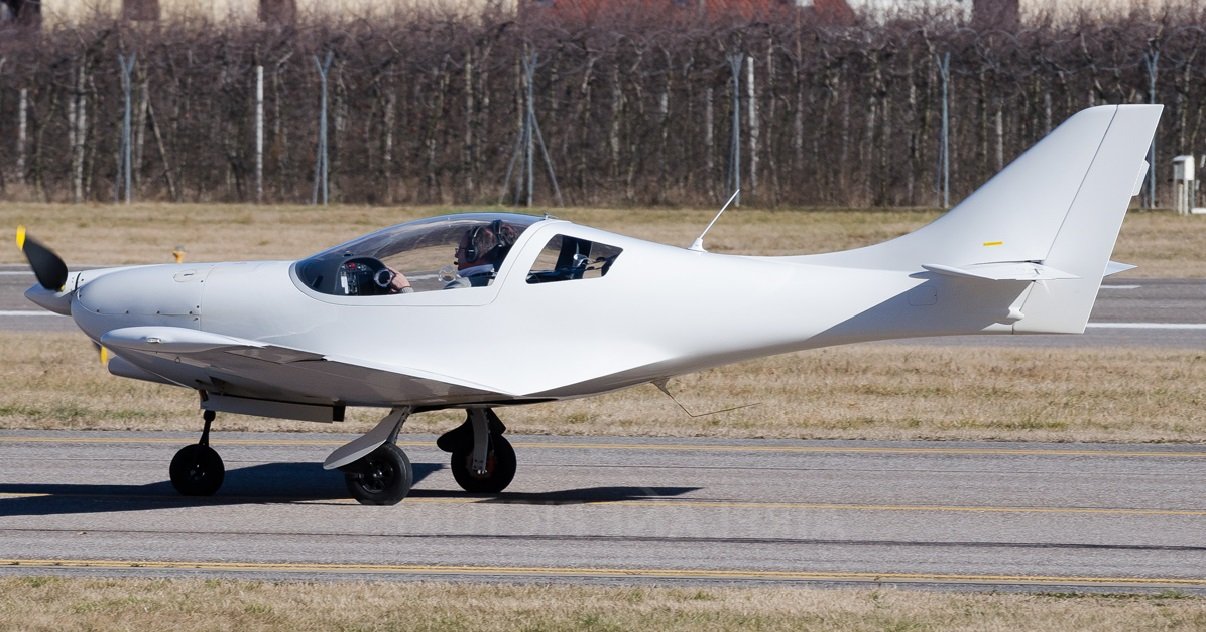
<point x="697" y="245"/>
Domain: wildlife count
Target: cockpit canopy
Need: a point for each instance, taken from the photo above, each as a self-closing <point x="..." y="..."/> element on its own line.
<point x="425" y="251"/>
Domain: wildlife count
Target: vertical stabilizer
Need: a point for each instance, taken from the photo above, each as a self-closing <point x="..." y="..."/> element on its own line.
<point x="1086" y="236"/>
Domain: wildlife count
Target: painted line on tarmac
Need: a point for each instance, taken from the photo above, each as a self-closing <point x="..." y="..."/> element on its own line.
<point x="686" y="503"/>
<point x="219" y="441"/>
<point x="649" y="502"/>
<point x="599" y="572"/>
<point x="1151" y="326"/>
<point x="28" y="312"/>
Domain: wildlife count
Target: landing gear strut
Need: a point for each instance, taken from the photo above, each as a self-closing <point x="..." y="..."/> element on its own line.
<point x="483" y="461"/>
<point x="197" y="470"/>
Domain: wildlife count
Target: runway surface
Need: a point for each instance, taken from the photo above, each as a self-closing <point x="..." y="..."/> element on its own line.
<point x="1139" y="312"/>
<point x="1001" y="516"/>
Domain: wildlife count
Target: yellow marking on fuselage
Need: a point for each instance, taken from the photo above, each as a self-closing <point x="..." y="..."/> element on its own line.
<point x="993" y="243"/>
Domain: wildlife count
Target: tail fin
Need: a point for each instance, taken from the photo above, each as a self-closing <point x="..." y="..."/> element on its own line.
<point x="1053" y="213"/>
<point x="1086" y="237"/>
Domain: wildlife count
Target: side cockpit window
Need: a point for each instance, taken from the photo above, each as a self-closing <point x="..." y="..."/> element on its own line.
<point x="567" y="258"/>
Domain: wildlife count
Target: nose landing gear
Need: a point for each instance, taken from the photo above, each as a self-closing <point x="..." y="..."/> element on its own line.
<point x="197" y="470"/>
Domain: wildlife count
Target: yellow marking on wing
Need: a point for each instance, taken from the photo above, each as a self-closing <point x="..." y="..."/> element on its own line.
<point x="993" y="243"/>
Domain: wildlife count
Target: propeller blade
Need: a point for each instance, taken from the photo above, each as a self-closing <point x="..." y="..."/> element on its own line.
<point x="50" y="270"/>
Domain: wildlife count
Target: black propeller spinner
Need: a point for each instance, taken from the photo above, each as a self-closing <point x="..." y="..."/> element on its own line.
<point x="50" y="270"/>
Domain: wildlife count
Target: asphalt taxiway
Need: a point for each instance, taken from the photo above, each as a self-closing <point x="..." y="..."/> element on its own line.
<point x="1003" y="516"/>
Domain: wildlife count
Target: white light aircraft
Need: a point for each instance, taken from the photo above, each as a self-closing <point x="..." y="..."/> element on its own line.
<point x="542" y="309"/>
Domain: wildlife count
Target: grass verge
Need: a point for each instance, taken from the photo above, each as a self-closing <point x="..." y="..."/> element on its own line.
<point x="44" y="603"/>
<point x="855" y="392"/>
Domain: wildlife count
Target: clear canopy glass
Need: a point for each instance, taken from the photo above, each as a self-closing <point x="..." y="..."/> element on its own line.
<point x="424" y="252"/>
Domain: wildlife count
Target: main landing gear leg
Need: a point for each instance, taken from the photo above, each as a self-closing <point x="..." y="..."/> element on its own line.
<point x="197" y="470"/>
<point x="483" y="461"/>
<point x="376" y="471"/>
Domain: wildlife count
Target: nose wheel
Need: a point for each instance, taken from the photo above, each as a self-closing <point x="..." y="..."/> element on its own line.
<point x="197" y="470"/>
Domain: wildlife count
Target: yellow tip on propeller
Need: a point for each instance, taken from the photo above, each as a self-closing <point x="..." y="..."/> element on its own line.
<point x="104" y="356"/>
<point x="21" y="237"/>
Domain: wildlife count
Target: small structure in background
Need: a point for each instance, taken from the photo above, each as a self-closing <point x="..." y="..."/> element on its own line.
<point x="1185" y="186"/>
<point x="178" y="254"/>
<point x="22" y="12"/>
<point x="586" y="11"/>
<point x="1000" y="14"/>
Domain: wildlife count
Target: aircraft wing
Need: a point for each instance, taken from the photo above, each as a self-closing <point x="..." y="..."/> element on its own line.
<point x="235" y="367"/>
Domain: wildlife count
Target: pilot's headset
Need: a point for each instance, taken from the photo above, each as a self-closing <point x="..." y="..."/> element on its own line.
<point x="493" y="240"/>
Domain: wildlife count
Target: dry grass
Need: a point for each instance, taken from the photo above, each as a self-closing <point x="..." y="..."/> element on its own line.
<point x="39" y="603"/>
<point x="867" y="391"/>
<point x="1161" y="244"/>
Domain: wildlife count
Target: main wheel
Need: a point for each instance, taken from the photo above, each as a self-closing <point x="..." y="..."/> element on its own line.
<point x="500" y="467"/>
<point x="197" y="470"/>
<point x="383" y="477"/>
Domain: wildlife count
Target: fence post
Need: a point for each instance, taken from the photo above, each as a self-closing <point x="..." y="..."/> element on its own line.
<point x="529" y="139"/>
<point x="752" y="117"/>
<point x="321" y="165"/>
<point x="22" y="126"/>
<point x="735" y="62"/>
<point x="125" y="179"/>
<point x="944" y="150"/>
<point x="1150" y="60"/>
<point x="259" y="134"/>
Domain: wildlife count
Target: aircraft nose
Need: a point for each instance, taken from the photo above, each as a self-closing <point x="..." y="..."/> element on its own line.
<point x="162" y="295"/>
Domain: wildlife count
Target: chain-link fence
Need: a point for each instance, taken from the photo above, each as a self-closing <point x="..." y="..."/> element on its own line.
<point x="424" y="109"/>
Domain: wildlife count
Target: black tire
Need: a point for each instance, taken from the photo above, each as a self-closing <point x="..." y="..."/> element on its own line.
<point x="383" y="477"/>
<point x="500" y="467"/>
<point x="197" y="470"/>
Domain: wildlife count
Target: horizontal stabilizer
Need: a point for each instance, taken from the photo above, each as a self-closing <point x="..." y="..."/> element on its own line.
<point x="1114" y="267"/>
<point x="1002" y="271"/>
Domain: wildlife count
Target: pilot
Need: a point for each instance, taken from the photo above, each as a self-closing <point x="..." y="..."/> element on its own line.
<point x="397" y="283"/>
<point x="480" y="253"/>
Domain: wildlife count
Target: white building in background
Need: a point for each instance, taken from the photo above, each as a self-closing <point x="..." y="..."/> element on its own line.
<point x="52" y="12"/>
<point x="1020" y="10"/>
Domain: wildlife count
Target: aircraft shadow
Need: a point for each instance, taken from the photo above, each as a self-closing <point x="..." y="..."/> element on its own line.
<point x="267" y="483"/>
<point x="273" y="483"/>
<point x="580" y="496"/>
